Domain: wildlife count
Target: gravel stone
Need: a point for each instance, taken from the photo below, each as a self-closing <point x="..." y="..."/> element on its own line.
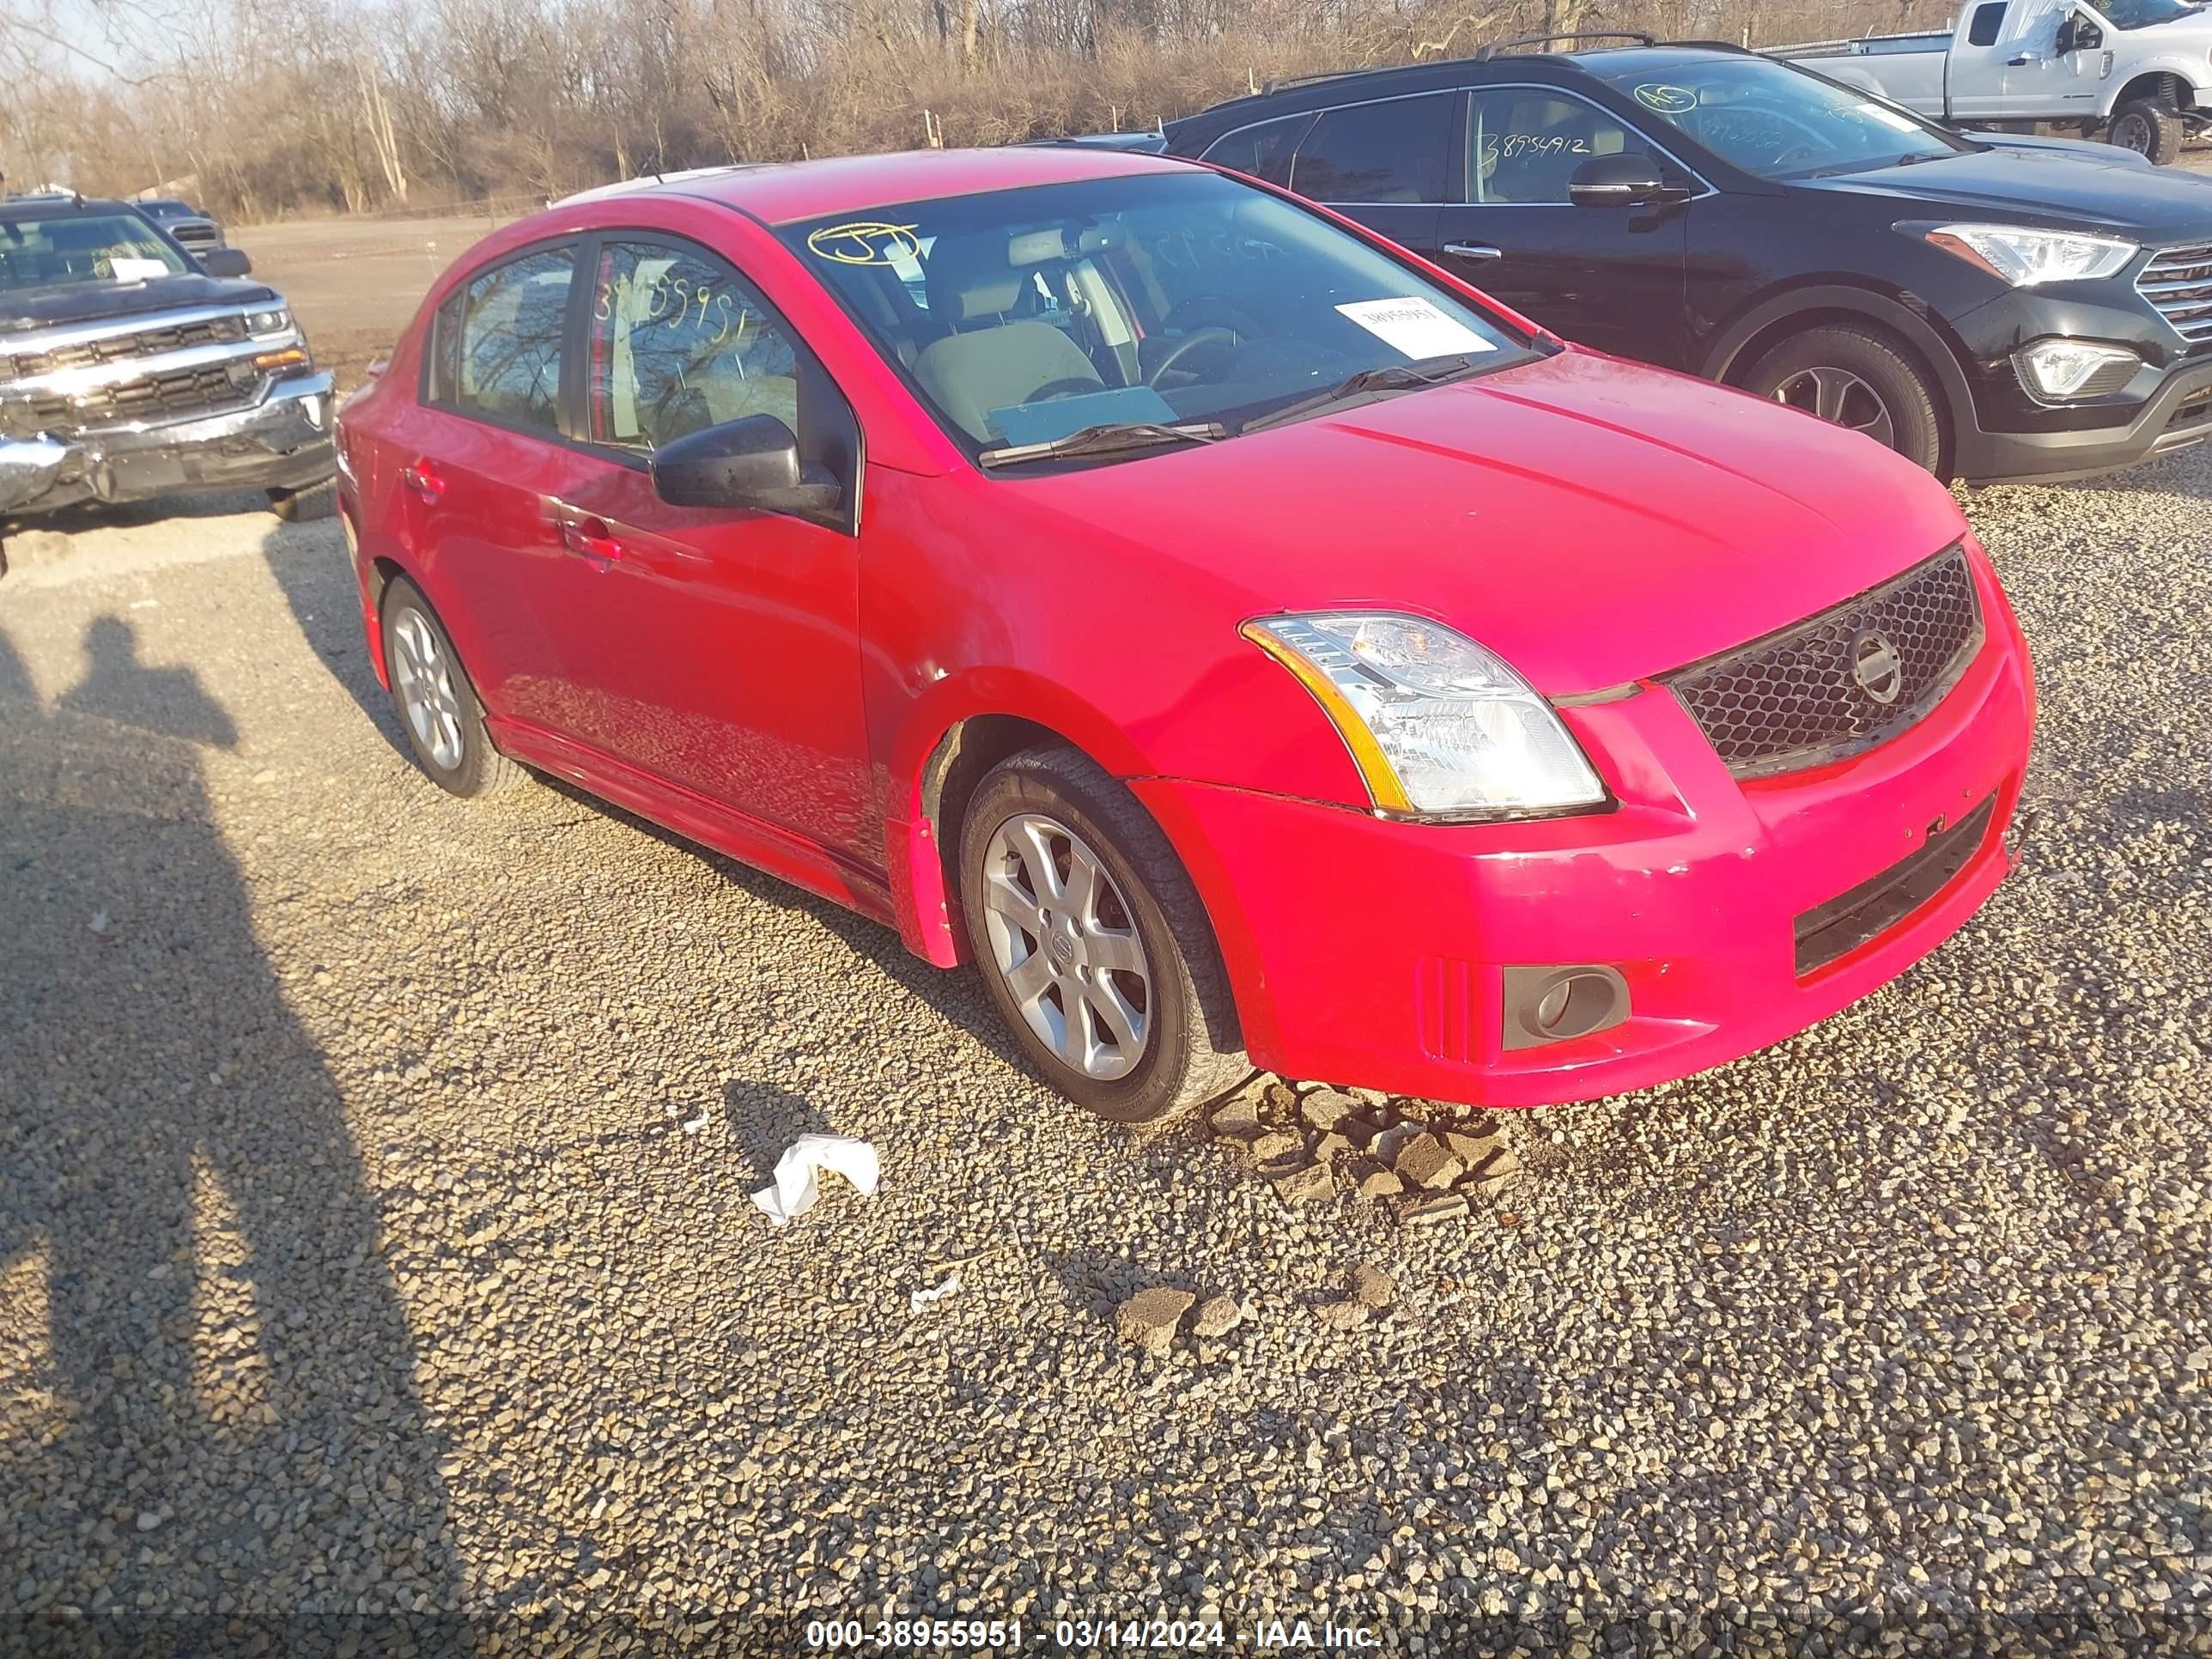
<point x="1324" y="1108"/>
<point x="1216" y="1317"/>
<point x="1423" y="1161"/>
<point x="1304" y="1184"/>
<point x="1148" y="1319"/>
<point x="1370" y="1285"/>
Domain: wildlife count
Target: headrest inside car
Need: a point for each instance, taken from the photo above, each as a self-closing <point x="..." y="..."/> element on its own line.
<point x="966" y="280"/>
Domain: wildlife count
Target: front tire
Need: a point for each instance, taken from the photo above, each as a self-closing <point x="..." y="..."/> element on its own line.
<point x="1093" y="941"/>
<point x="1859" y="379"/>
<point x="438" y="706"/>
<point x="2149" y="126"/>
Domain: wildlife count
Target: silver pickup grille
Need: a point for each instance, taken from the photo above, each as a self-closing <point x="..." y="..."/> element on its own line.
<point x="2178" y="281"/>
<point x="119" y="347"/>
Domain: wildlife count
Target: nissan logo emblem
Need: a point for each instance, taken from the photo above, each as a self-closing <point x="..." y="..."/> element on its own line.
<point x="1876" y="666"/>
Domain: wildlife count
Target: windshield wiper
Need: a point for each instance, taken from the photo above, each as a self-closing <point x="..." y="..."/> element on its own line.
<point x="1390" y="377"/>
<point x="1104" y="439"/>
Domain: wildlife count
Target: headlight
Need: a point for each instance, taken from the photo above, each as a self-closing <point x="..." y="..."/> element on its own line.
<point x="2075" y="369"/>
<point x="2023" y="258"/>
<point x="274" y="320"/>
<point x="1437" y="726"/>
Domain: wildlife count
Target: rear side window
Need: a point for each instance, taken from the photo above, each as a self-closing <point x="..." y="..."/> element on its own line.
<point x="1263" y="151"/>
<point x="1393" y="151"/>
<point x="1989" y="20"/>
<point x="679" y="342"/>
<point x="505" y="361"/>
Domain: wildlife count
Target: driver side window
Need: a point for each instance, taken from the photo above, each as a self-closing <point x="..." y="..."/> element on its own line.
<point x="680" y="342"/>
<point x="1524" y="144"/>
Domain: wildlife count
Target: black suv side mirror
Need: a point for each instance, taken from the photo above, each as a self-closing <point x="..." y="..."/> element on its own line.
<point x="226" y="262"/>
<point x="752" y="462"/>
<point x="1624" y="180"/>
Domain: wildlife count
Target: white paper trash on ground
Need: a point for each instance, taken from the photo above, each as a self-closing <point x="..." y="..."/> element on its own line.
<point x="794" y="1190"/>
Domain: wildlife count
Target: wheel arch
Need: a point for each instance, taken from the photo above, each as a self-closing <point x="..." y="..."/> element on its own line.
<point x="2175" y="90"/>
<point x="1768" y="323"/>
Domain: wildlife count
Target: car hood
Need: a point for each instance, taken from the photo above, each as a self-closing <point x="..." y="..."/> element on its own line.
<point x="2039" y="186"/>
<point x="1593" y="521"/>
<point x="93" y="302"/>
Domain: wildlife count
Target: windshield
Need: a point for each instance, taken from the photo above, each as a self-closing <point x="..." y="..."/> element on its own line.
<point x="2142" y="14"/>
<point x="1775" y="122"/>
<point x="64" y="249"/>
<point x="1023" y="316"/>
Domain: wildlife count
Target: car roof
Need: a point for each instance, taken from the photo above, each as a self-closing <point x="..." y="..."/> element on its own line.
<point x="1325" y="91"/>
<point x="781" y="192"/>
<point x="57" y="206"/>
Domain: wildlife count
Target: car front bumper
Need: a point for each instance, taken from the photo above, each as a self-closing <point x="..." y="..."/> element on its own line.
<point x="281" y="442"/>
<point x="1367" y="952"/>
<point x="2177" y="415"/>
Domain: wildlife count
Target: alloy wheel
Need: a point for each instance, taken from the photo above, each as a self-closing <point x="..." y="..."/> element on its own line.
<point x="423" y="674"/>
<point x="1065" y="944"/>
<point x="2132" y="132"/>
<point x="1838" y="396"/>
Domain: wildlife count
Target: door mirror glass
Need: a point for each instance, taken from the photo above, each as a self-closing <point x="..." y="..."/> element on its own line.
<point x="1628" y="179"/>
<point x="750" y="463"/>
<point x="2086" y="36"/>
<point x="226" y="262"/>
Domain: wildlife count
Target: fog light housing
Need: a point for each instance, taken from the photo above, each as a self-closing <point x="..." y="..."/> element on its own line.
<point x="2062" y="370"/>
<point x="1556" y="1005"/>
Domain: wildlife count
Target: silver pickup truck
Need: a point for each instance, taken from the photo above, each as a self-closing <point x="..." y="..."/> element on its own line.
<point x="130" y="369"/>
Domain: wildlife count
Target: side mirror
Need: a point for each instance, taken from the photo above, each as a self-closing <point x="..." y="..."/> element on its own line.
<point x="2085" y="37"/>
<point x="1622" y="181"/>
<point x="748" y="464"/>
<point x="226" y="262"/>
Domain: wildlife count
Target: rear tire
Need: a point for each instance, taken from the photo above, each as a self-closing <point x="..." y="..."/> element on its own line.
<point x="1858" y="378"/>
<point x="438" y="706"/>
<point x="1093" y="941"/>
<point x="301" y="506"/>
<point x="2150" y="127"/>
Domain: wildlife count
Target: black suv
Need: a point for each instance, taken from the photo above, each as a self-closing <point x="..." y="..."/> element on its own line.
<point x="1993" y="306"/>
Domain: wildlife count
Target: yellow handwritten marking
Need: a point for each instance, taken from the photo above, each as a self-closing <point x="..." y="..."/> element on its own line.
<point x="865" y="242"/>
<point x="1667" y="100"/>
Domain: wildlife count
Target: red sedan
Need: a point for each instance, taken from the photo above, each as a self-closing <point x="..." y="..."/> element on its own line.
<point x="1245" y="643"/>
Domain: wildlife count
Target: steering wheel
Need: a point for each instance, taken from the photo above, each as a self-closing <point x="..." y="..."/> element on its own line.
<point x="1068" y="385"/>
<point x="1208" y="317"/>
<point x="1199" y="339"/>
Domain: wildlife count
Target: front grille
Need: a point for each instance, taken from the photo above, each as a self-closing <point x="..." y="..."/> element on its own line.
<point x="156" y="397"/>
<point x="195" y="236"/>
<point x="2178" y="281"/>
<point x="1874" y="907"/>
<point x="121" y="347"/>
<point x="1841" y="681"/>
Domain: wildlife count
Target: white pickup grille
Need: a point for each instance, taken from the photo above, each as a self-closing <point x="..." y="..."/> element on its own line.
<point x="2178" y="281"/>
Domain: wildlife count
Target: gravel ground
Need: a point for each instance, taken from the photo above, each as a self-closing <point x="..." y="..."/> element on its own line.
<point x="378" y="1271"/>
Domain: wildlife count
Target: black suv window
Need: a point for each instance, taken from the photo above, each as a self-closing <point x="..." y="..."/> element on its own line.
<point x="1263" y="151"/>
<point x="1391" y="151"/>
<point x="509" y="357"/>
<point x="1523" y="143"/>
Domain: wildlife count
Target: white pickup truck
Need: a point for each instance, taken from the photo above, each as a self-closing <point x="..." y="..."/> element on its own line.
<point x="2136" y="73"/>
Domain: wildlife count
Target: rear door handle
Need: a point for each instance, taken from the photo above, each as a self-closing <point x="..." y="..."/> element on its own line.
<point x="422" y="478"/>
<point x="591" y="538"/>
<point x="1474" y="251"/>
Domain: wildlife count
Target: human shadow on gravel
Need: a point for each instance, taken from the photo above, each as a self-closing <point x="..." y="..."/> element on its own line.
<point x="313" y="570"/>
<point x="221" y="1445"/>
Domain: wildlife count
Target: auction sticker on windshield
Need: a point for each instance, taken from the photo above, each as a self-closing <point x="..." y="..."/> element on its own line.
<point x="1415" y="326"/>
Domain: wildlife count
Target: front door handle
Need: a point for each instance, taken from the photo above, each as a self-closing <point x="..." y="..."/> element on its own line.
<point x="1474" y="251"/>
<point x="422" y="478"/>
<point x="591" y="538"/>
